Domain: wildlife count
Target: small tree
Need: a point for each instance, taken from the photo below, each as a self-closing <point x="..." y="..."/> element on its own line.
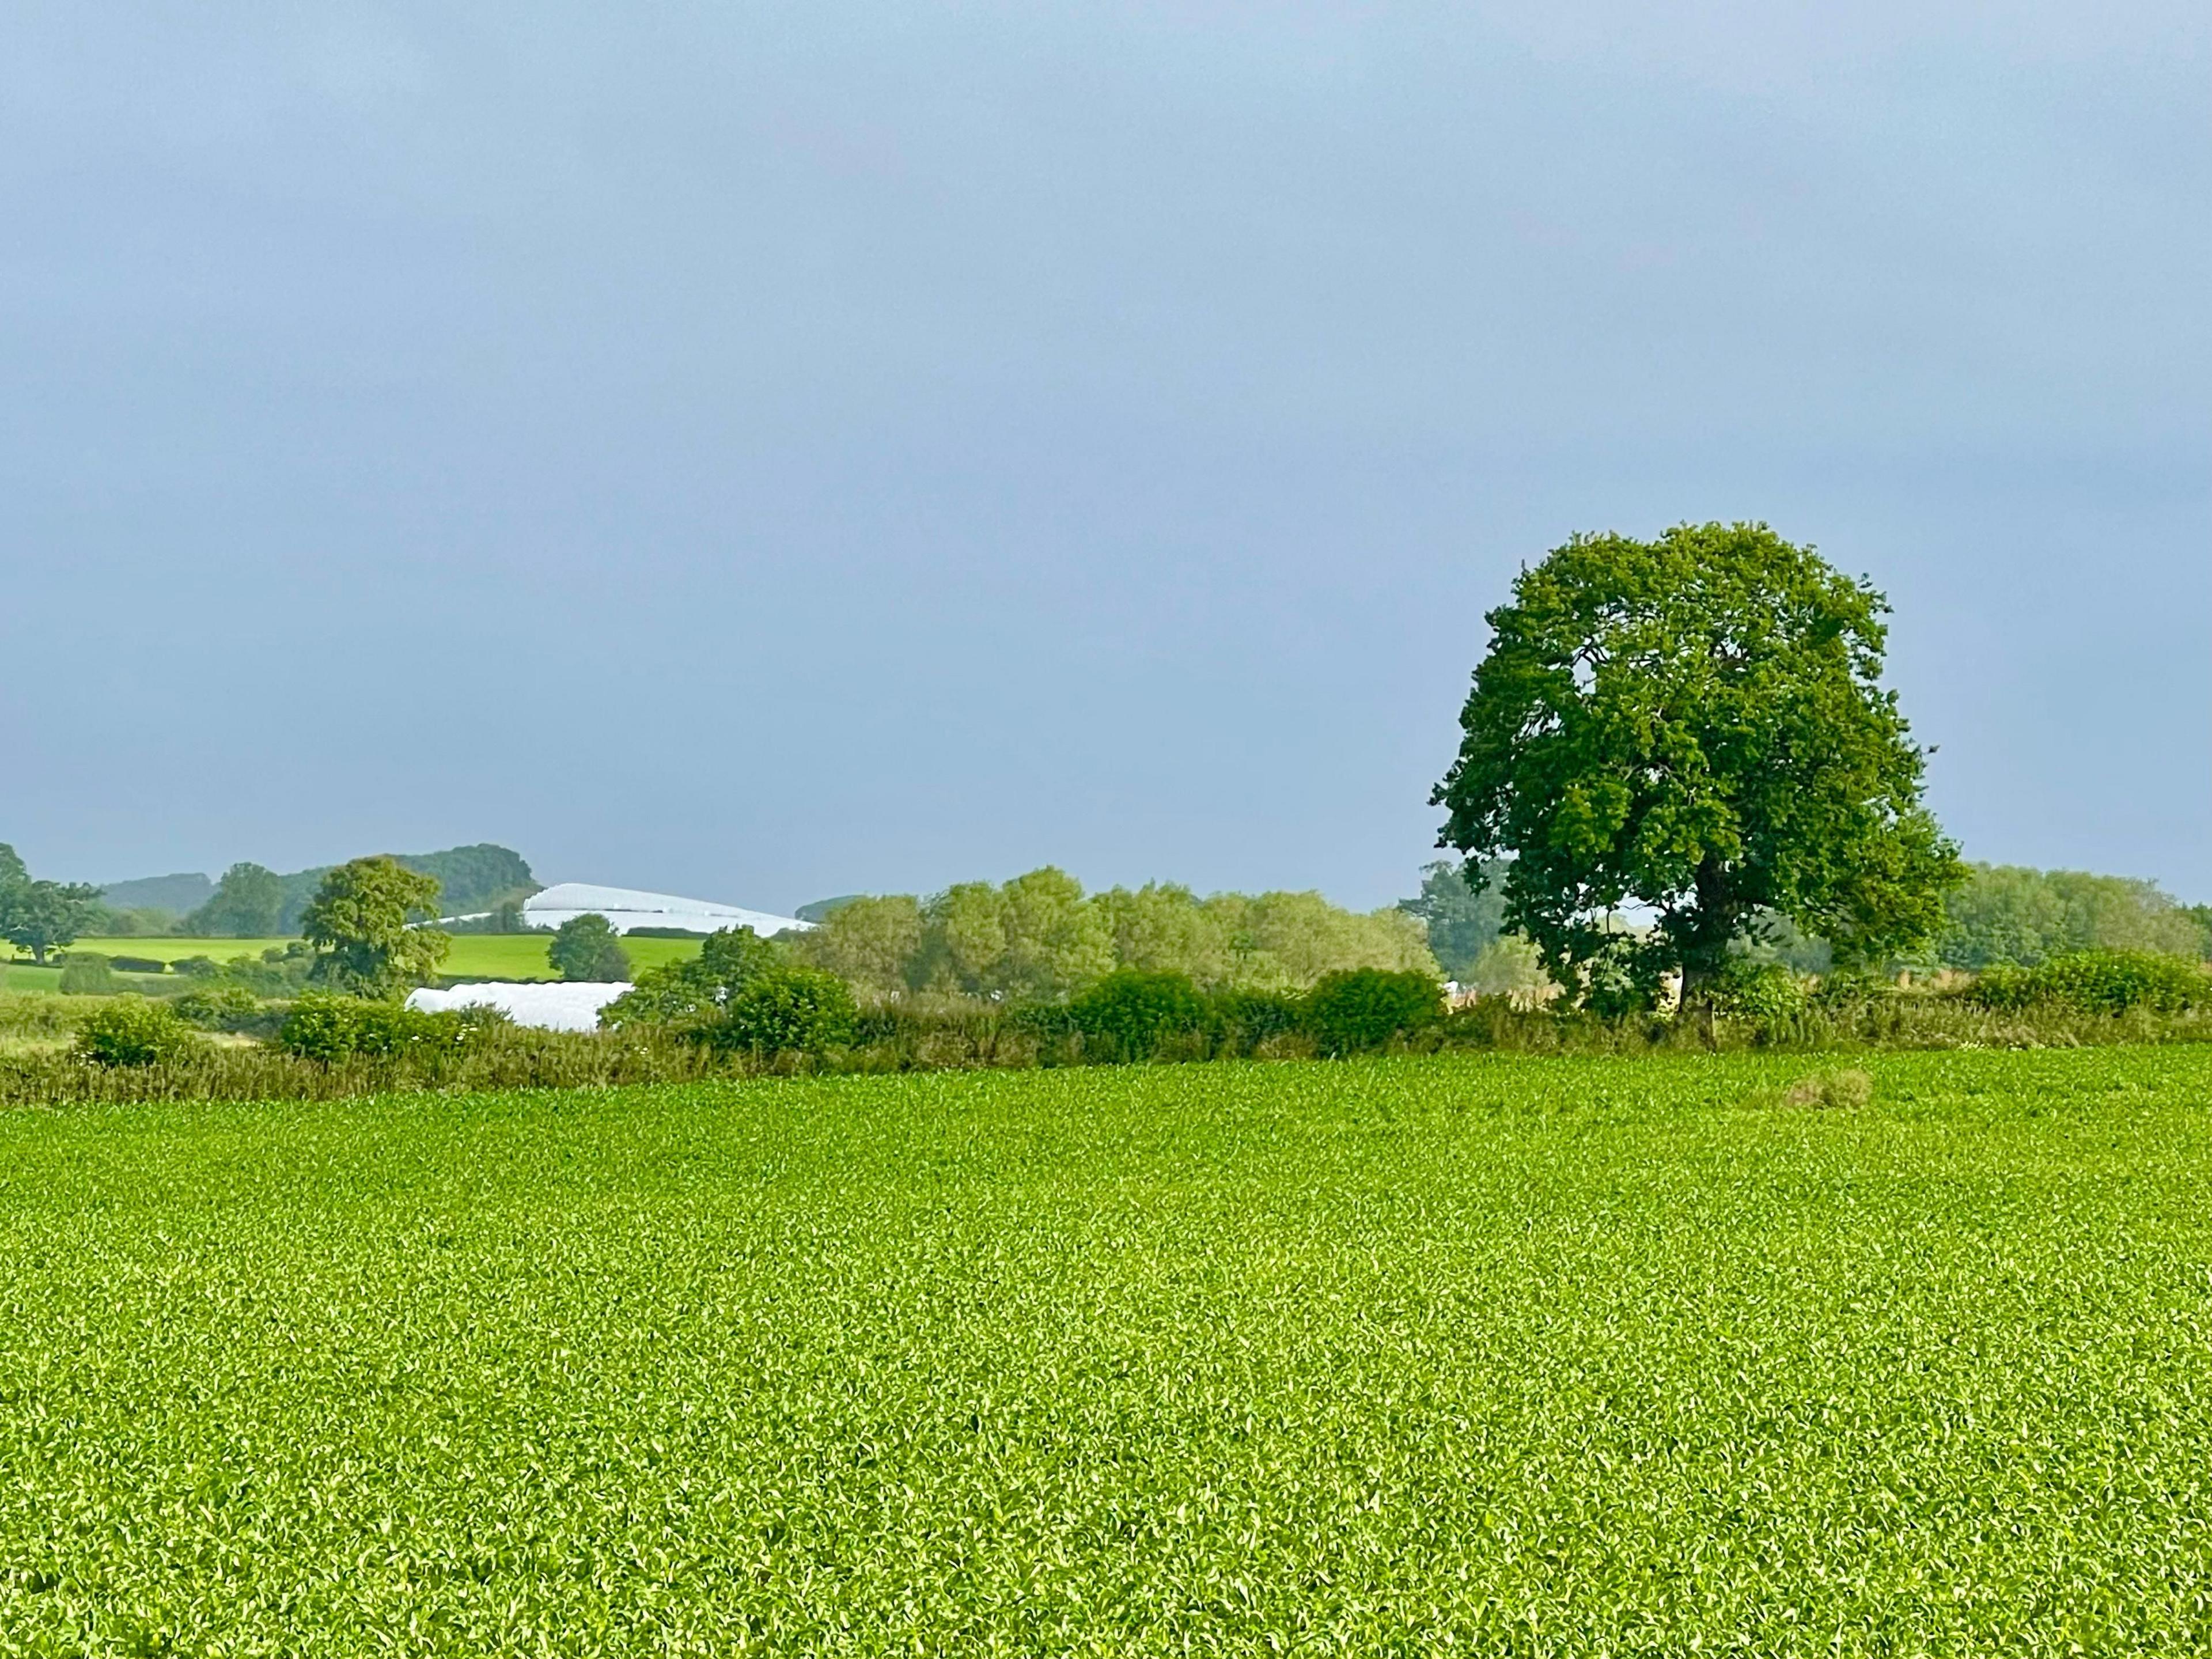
<point x="1695" y="725"/>
<point x="358" y="924"/>
<point x="586" y="949"/>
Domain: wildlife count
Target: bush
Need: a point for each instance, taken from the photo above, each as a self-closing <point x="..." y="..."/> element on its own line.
<point x="1242" y="1020"/>
<point x="330" y="1028"/>
<point x="690" y="996"/>
<point x="131" y="1031"/>
<point x="586" y="949"/>
<point x="220" y="1008"/>
<point x="138" y="964"/>
<point x="1128" y="1014"/>
<point x="1765" y="992"/>
<point x="1367" y="1009"/>
<point x="785" y="1010"/>
<point x="86" y="974"/>
<point x="2097" y="983"/>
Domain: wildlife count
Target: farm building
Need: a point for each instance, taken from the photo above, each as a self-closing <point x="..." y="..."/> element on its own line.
<point x="627" y="909"/>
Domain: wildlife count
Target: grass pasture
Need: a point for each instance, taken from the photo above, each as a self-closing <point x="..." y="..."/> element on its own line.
<point x="1467" y="1354"/>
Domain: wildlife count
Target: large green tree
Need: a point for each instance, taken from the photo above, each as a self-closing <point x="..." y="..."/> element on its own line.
<point x="358" y="926"/>
<point x="1692" y="728"/>
<point x="41" y="915"/>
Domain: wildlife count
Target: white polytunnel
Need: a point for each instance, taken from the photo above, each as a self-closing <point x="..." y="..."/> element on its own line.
<point x="549" y="1006"/>
<point x="625" y="910"/>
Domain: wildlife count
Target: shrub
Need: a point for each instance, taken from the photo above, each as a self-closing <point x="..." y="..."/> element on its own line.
<point x="2097" y="983"/>
<point x="1129" y="1013"/>
<point x="586" y="949"/>
<point x="1366" y="1009"/>
<point x="1242" y="1020"/>
<point x="330" y="1028"/>
<point x="785" y="1010"/>
<point x="1760" y="990"/>
<point x="86" y="974"/>
<point x="690" y="995"/>
<point x="219" y="1008"/>
<point x="131" y="1031"/>
<point x="138" y="964"/>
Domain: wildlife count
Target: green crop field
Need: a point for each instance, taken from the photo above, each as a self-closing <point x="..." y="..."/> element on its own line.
<point x="473" y="956"/>
<point x="1474" y="1355"/>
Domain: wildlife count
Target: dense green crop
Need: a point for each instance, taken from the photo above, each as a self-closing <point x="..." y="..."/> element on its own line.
<point x="1415" y="1356"/>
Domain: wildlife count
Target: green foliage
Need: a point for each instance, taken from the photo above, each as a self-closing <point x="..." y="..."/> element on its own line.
<point x="39" y="915"/>
<point x="1453" y="1357"/>
<point x="2006" y="915"/>
<point x="247" y="903"/>
<point x="871" y="944"/>
<point x="2097" y="983"/>
<point x="330" y="1029"/>
<point x="587" y="949"/>
<point x="131" y="1031"/>
<point x="87" y="974"/>
<point x="1747" y="988"/>
<point x="1040" y="937"/>
<point x="1695" y="724"/>
<point x="691" y="995"/>
<point x="1463" y="921"/>
<point x="1248" y="1021"/>
<point x="225" y="1008"/>
<point x="1366" y="1009"/>
<point x="358" y="928"/>
<point x="1130" y="1013"/>
<point x="469" y="879"/>
<point x="789" y="1009"/>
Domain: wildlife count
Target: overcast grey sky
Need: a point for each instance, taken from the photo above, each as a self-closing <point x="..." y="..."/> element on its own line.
<point x="769" y="451"/>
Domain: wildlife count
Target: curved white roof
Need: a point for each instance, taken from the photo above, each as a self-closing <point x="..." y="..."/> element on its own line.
<point x="625" y="907"/>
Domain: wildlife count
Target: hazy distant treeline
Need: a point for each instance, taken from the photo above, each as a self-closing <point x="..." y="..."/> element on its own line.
<point x="1041" y="936"/>
<point x="251" y="902"/>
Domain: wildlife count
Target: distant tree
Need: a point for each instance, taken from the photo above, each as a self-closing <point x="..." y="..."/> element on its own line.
<point x="40" y="916"/>
<point x="1289" y="941"/>
<point x="2007" y="915"/>
<point x="587" y="949"/>
<point x="869" y="943"/>
<point x="357" y="924"/>
<point x="1463" y="921"/>
<point x="1162" y="928"/>
<point x="247" y="904"/>
<point x="1695" y="725"/>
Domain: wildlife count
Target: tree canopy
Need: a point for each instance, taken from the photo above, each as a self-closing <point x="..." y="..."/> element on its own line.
<point x="358" y="924"/>
<point x="40" y="915"/>
<point x="247" y="903"/>
<point x="1040" y="935"/>
<point x="586" y="949"/>
<point x="1693" y="726"/>
<point x="2010" y="915"/>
